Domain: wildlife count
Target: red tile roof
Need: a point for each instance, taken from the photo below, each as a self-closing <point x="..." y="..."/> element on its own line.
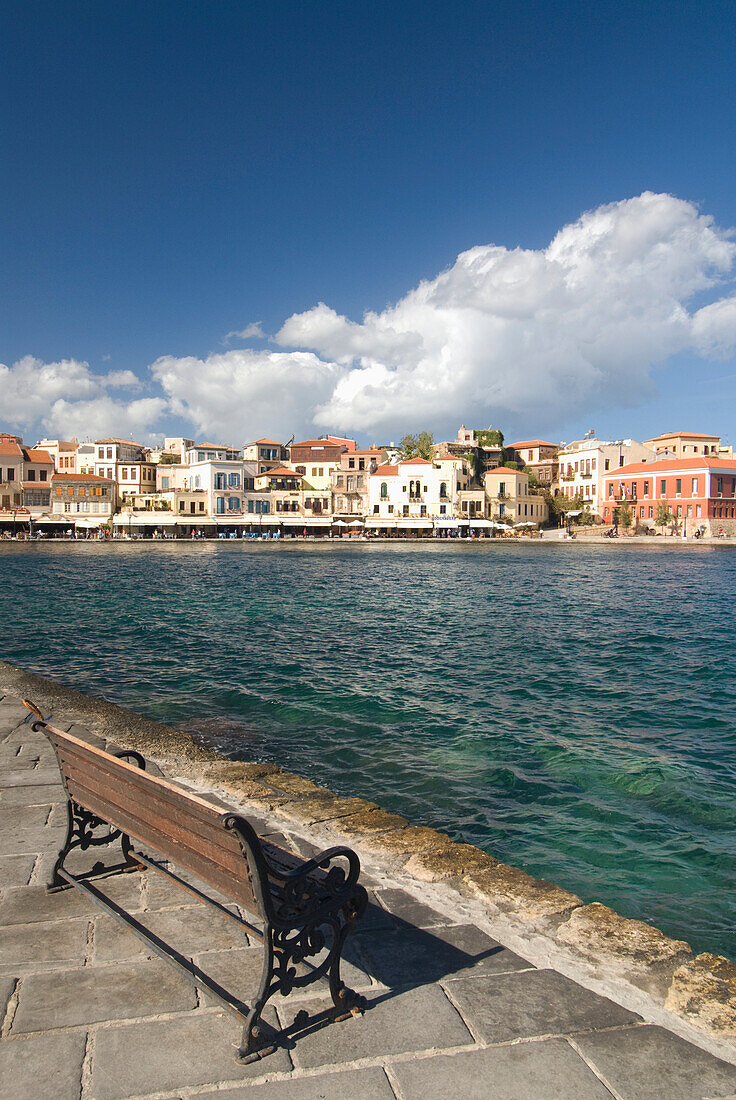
<point x="387" y="471"/>
<point x="504" y="470"/>
<point x="130" y="442"/>
<point x="687" y="435"/>
<point x="79" y="477"/>
<point x="674" y="465"/>
<point x="279" y="471"/>
<point x="416" y="461"/>
<point x="532" y="443"/>
<point x="11" y="449"/>
<point x="271" y="442"/>
<point x="32" y="455"/>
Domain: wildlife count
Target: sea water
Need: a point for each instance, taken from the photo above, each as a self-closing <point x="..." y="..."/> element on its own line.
<point x="568" y="708"/>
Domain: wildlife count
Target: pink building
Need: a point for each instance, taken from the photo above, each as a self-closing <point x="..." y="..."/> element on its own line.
<point x="699" y="491"/>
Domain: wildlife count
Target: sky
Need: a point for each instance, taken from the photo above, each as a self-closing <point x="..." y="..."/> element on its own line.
<point x="234" y="220"/>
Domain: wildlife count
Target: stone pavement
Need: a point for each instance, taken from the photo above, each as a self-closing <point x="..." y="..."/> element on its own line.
<point x="86" y="1013"/>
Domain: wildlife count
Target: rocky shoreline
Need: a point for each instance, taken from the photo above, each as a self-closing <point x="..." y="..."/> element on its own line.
<point x="627" y="960"/>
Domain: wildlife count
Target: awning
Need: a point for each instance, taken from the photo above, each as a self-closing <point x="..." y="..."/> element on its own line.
<point x="414" y="524"/>
<point x="339" y="523"/>
<point x="303" y="521"/>
<point x="485" y="523"/>
<point x="356" y="523"/>
<point x="377" y="521"/>
<point x="154" y="519"/>
<point x="59" y="520"/>
<point x="89" y="523"/>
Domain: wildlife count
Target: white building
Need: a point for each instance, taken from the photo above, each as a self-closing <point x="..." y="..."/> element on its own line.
<point x="223" y="483"/>
<point x="124" y="462"/>
<point x="584" y="464"/>
<point x="416" y="489"/>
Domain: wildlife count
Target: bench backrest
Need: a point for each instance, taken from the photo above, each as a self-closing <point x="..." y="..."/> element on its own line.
<point x="175" y="824"/>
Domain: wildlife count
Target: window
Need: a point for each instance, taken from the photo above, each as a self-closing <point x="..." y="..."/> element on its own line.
<point x="390" y="509"/>
<point x="321" y="471"/>
<point x="201" y="506"/>
<point x="620" y="460"/>
<point x="124" y="473"/>
<point x="698" y="511"/>
<point x="719" y="485"/>
<point x="57" y="491"/>
<point x="233" y="481"/>
<point x="361" y="464"/>
<point x="607" y="464"/>
<point x="679" y="511"/>
<point x="689" y="511"/>
<point x="31" y="475"/>
<point x="165" y="482"/>
<point x="351" y="482"/>
<point x="678" y="486"/>
<point x="69" y="491"/>
<point x="384" y="491"/>
<point x="646" y="488"/>
<point x="100" y="452"/>
<point x="249" y="483"/>
<point x="375" y="509"/>
<point x="109" y="473"/>
<point x="182" y="505"/>
<point x="220" y="481"/>
<point x="351" y="463"/>
<point x="220" y="506"/>
<point x="43" y="475"/>
<point x="233" y="504"/>
<point x="663" y="488"/>
<point x="338" y="481"/>
<point x="641" y="513"/>
<point x="109" y="452"/>
<point x="82" y="491"/>
<point x="359" y="481"/>
<point x="405" y="510"/>
<point x="95" y="506"/>
<point x="593" y="463"/>
<point x="651" y="512"/>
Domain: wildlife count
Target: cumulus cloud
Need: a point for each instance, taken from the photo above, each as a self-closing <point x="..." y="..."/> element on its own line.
<point x="505" y="336"/>
<point x="250" y="332"/>
<point x="533" y="333"/>
<point x="66" y="399"/>
<point x="239" y="395"/>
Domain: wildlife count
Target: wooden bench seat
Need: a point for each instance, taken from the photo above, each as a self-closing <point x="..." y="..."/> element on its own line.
<point x="305" y="908"/>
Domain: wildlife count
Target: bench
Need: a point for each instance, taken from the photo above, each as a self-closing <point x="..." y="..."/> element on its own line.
<point x="305" y="907"/>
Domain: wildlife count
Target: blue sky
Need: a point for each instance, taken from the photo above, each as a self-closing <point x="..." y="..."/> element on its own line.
<point x="174" y="172"/>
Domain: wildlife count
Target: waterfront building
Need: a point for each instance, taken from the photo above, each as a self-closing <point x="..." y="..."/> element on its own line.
<point x="699" y="491"/>
<point x="222" y="482"/>
<point x="416" y="491"/>
<point x="191" y="504"/>
<point x="584" y="464"/>
<point x="86" y="455"/>
<point x="86" y="501"/>
<point x="63" y="453"/>
<point x="267" y="453"/>
<point x="539" y="456"/>
<point x="11" y="474"/>
<point x="316" y="460"/>
<point x="124" y="462"/>
<point x="350" y="481"/>
<point x="38" y="469"/>
<point x="683" y="444"/>
<point x="509" y="498"/>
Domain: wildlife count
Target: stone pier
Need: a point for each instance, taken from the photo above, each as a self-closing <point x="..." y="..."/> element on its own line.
<point x="468" y="995"/>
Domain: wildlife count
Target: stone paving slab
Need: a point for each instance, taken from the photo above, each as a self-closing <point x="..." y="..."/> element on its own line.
<point x="30" y="904"/>
<point x="70" y="998"/>
<point x="42" y="946"/>
<point x="46" y="1066"/>
<point x="410" y="910"/>
<point x="165" y="1054"/>
<point x="533" y="1003"/>
<point x="43" y="794"/>
<point x="412" y="956"/>
<point x="649" y="1063"/>
<point x="6" y="989"/>
<point x="16" y="870"/>
<point x="361" y="1084"/>
<point x="192" y="929"/>
<point x="394" y="1023"/>
<point x="524" y="1071"/>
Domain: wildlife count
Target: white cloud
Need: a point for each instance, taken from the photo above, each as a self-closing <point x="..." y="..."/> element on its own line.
<point x="240" y="395"/>
<point x="538" y="334"/>
<point x="250" y="332"/>
<point x="505" y="336"/>
<point x="66" y="399"/>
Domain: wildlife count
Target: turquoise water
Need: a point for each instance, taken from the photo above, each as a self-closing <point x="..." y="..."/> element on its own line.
<point x="568" y="708"/>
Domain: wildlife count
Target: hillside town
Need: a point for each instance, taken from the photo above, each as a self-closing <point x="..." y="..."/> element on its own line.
<point x="473" y="486"/>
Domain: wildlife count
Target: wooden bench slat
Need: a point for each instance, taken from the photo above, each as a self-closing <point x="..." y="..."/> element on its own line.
<point x="205" y="861"/>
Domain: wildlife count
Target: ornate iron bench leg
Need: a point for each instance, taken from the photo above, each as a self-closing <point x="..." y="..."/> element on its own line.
<point x="346" y="1001"/>
<point x="257" y="1040"/>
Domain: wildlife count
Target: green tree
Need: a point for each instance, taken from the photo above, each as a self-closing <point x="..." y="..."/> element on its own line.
<point x="408" y="446"/>
<point x="424" y="443"/>
<point x="488" y="437"/>
<point x="623" y="515"/>
<point x="664" y="514"/>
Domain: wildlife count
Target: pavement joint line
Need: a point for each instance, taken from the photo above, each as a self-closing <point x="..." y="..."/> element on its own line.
<point x="11" y="1009"/>
<point x="85" y="1082"/>
<point x="594" y="1069"/>
<point x="467" y="1023"/>
<point x="393" y="1083"/>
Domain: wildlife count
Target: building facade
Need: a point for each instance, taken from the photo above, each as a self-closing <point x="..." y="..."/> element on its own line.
<point x="509" y="499"/>
<point x="699" y="492"/>
<point x="85" y="500"/>
<point x="683" y="444"/>
<point x="584" y="464"/>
